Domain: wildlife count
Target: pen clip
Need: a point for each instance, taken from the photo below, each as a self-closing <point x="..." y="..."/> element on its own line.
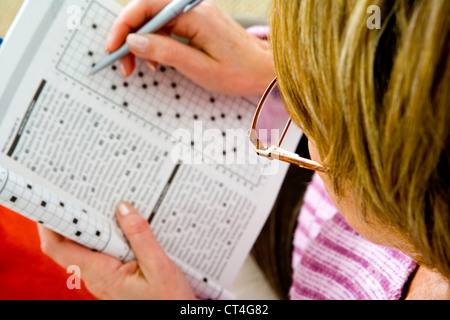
<point x="191" y="5"/>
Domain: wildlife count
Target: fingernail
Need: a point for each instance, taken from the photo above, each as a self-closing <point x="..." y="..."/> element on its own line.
<point x="108" y="43"/>
<point x="124" y="208"/>
<point x="137" y="42"/>
<point x="122" y="69"/>
<point x="150" y="66"/>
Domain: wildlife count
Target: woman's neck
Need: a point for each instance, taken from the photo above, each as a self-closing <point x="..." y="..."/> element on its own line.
<point x="428" y="285"/>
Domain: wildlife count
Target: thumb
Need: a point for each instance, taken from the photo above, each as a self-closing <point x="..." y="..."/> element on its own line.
<point x="167" y="51"/>
<point x="143" y="242"/>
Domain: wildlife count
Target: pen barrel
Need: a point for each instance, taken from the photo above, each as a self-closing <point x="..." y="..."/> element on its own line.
<point x="170" y="12"/>
<point x="120" y="53"/>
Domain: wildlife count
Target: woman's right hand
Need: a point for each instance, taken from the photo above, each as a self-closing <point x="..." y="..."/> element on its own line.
<point x="220" y="56"/>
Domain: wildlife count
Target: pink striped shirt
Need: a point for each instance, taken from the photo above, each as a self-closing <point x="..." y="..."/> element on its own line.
<point x="332" y="261"/>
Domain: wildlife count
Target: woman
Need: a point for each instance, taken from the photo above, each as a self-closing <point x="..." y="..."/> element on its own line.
<point x="373" y="104"/>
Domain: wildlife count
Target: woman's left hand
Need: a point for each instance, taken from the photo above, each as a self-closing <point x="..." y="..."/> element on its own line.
<point x="152" y="276"/>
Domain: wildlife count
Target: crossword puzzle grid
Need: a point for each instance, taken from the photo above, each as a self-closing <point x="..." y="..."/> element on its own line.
<point x="40" y="205"/>
<point x="166" y="99"/>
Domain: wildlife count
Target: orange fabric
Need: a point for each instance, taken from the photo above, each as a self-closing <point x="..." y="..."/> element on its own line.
<point x="25" y="272"/>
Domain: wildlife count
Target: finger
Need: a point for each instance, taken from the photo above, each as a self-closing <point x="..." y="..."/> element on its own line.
<point x="151" y="65"/>
<point x="190" y="61"/>
<point x="133" y="16"/>
<point x="127" y="65"/>
<point x="144" y="244"/>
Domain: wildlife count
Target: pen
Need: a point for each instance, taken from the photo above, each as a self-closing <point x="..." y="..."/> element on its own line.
<point x="170" y="12"/>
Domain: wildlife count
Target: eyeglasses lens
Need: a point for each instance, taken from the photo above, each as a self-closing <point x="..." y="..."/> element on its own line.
<point x="272" y="120"/>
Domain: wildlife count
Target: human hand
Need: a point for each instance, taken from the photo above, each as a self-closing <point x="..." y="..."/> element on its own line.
<point x="220" y="56"/>
<point x="152" y="276"/>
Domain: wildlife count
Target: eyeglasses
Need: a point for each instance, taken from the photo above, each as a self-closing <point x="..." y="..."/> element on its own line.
<point x="271" y="113"/>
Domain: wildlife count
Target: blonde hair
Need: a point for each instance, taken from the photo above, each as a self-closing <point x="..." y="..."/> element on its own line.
<point x="376" y="104"/>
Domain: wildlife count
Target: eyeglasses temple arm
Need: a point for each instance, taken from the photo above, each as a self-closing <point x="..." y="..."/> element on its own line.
<point x="284" y="132"/>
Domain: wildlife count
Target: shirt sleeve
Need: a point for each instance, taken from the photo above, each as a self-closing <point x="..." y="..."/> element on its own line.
<point x="261" y="32"/>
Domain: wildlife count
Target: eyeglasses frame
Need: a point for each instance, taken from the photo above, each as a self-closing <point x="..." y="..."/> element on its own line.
<point x="276" y="152"/>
